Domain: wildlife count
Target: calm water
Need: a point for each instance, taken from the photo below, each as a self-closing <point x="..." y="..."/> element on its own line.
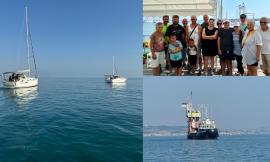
<point x="72" y="120"/>
<point x="226" y="149"/>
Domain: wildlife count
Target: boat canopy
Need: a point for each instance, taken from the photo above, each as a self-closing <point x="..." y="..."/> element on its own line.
<point x="159" y="8"/>
<point x="18" y="72"/>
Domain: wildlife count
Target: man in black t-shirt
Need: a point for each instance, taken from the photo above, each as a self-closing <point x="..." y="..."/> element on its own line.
<point x="179" y="31"/>
<point x="226" y="47"/>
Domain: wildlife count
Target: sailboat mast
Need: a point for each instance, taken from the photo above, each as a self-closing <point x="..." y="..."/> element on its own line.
<point x="27" y="39"/>
<point x="113" y="66"/>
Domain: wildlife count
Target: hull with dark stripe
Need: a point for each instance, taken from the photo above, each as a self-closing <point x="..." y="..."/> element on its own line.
<point x="204" y="134"/>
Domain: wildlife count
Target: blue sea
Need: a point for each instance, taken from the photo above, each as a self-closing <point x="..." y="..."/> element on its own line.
<point x="236" y="148"/>
<point x="72" y="119"/>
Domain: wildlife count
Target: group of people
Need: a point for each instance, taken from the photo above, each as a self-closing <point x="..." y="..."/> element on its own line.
<point x="194" y="46"/>
<point x="15" y="77"/>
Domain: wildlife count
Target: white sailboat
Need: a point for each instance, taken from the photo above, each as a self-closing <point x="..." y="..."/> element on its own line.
<point x="115" y="78"/>
<point x="22" y="78"/>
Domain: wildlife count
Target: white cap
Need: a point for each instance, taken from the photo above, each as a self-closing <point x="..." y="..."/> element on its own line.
<point x="226" y="21"/>
<point x="235" y="24"/>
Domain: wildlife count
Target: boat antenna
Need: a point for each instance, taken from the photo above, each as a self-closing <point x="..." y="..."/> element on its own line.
<point x="190" y="96"/>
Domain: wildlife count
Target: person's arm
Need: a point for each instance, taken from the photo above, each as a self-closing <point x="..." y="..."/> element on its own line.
<point x="187" y="35"/>
<point x="203" y="34"/>
<point x="180" y="47"/>
<point x="152" y="47"/>
<point x="200" y="33"/>
<point x="258" y="52"/>
<point x="213" y="37"/>
<point x="184" y="36"/>
<point x="218" y="44"/>
<point x="259" y="43"/>
<point x="168" y="31"/>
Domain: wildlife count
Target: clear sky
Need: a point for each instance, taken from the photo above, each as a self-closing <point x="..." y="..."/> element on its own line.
<point x="235" y="103"/>
<point x="73" y="38"/>
<point x="260" y="7"/>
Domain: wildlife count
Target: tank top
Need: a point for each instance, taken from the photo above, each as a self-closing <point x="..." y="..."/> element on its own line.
<point x="194" y="35"/>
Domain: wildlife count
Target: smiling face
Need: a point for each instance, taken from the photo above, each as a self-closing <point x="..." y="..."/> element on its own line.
<point x="173" y="38"/>
<point x="205" y="18"/>
<point x="264" y="22"/>
<point x="250" y="25"/>
<point x="193" y="19"/>
<point x="175" y="20"/>
<point x="159" y="27"/>
<point x="185" y="22"/>
<point x="219" y="24"/>
<point x="243" y="20"/>
<point x="236" y="28"/>
<point x="191" y="43"/>
<point x="226" y="25"/>
<point x="211" y="23"/>
<point x="165" y="19"/>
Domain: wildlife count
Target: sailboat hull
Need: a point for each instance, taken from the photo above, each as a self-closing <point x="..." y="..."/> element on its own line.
<point x="22" y="83"/>
<point x="116" y="80"/>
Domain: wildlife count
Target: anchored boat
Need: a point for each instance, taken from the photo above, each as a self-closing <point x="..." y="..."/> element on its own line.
<point x="197" y="128"/>
<point x="22" y="78"/>
<point x="115" y="78"/>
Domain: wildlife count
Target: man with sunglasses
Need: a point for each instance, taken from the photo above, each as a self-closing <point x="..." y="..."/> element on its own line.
<point x="219" y="24"/>
<point x="265" y="53"/>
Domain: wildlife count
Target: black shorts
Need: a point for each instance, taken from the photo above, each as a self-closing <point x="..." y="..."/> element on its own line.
<point x="176" y="64"/>
<point x="227" y="55"/>
<point x="192" y="59"/>
<point x="255" y="64"/>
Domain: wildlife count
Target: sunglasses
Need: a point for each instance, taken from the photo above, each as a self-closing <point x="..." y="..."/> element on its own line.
<point x="193" y="19"/>
<point x="219" y="23"/>
<point x="263" y="22"/>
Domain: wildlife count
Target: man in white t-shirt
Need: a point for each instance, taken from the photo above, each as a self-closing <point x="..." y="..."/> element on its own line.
<point x="265" y="33"/>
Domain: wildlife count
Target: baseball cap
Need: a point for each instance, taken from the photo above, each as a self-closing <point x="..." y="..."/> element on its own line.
<point x="243" y="16"/>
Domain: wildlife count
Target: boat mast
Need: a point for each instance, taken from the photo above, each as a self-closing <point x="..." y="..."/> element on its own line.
<point x="113" y="66"/>
<point x="27" y="38"/>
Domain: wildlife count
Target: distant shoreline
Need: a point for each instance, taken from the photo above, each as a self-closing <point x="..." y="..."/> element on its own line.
<point x="179" y="131"/>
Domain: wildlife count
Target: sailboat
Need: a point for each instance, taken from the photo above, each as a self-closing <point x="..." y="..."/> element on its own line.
<point x="22" y="78"/>
<point x="114" y="78"/>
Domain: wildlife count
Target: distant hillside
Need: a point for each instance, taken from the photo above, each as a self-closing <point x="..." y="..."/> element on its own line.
<point x="181" y="131"/>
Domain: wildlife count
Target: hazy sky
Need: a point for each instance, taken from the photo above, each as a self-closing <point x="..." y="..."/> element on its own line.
<point x="73" y="38"/>
<point x="260" y="8"/>
<point x="235" y="103"/>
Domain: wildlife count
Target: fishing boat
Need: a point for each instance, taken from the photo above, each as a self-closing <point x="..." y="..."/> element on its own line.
<point x="115" y="78"/>
<point x="22" y="78"/>
<point x="197" y="128"/>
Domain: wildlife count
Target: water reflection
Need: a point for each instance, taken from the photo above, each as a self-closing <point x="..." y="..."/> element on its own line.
<point x="118" y="86"/>
<point x="22" y="96"/>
